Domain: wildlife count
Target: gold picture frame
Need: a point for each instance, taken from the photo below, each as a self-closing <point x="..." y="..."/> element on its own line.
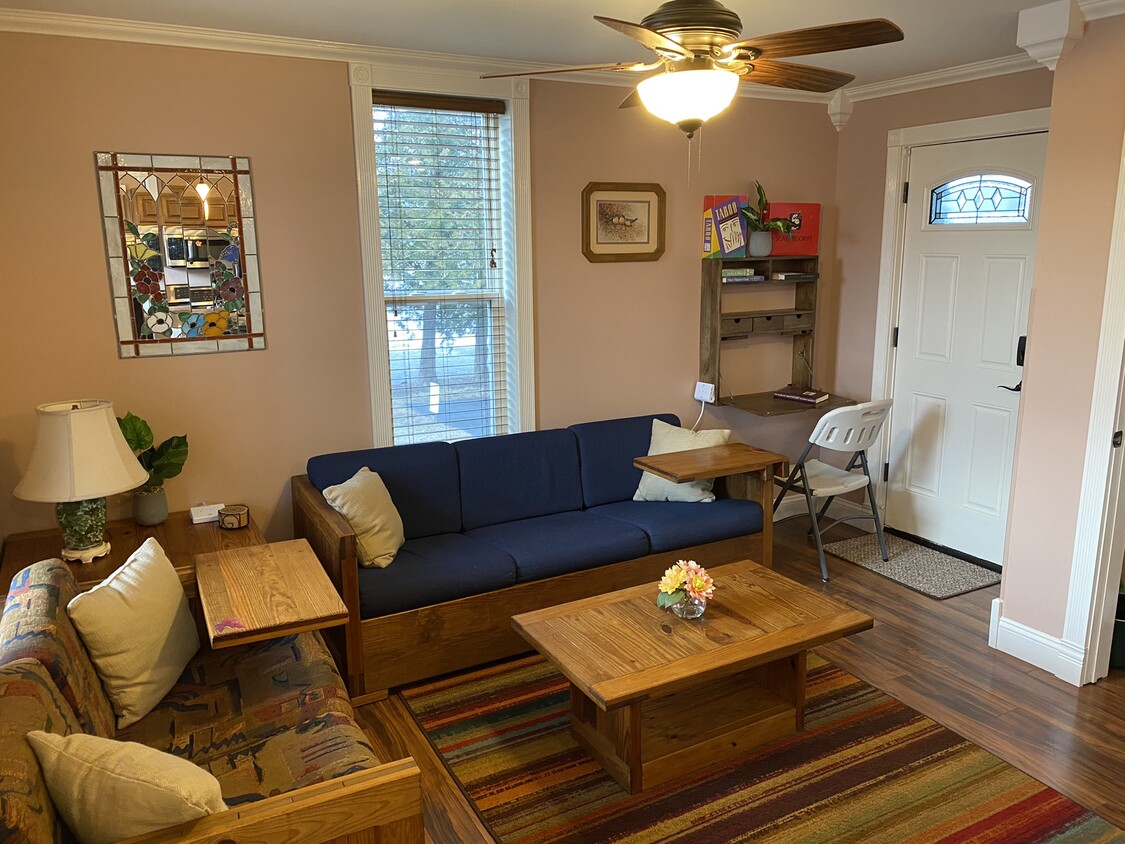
<point x="623" y="221"/>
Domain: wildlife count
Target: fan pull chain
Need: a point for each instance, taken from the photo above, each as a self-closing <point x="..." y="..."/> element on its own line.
<point x="689" y="164"/>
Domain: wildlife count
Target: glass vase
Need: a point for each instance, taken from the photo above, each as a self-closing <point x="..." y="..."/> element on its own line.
<point x="690" y="607"/>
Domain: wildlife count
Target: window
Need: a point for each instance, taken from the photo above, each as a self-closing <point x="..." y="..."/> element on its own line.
<point x="444" y="218"/>
<point x="981" y="200"/>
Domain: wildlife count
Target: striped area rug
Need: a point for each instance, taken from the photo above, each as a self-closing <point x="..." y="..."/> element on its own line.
<point x="866" y="769"/>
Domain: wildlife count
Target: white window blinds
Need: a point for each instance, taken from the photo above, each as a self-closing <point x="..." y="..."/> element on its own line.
<point x="442" y="236"/>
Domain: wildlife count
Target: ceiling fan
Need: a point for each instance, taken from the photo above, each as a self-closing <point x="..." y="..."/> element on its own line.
<point x="702" y="60"/>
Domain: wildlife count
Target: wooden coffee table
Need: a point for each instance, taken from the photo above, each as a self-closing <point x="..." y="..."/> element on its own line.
<point x="653" y="696"/>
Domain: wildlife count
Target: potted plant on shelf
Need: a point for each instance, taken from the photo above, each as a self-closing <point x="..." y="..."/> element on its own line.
<point x="164" y="461"/>
<point x="761" y="227"/>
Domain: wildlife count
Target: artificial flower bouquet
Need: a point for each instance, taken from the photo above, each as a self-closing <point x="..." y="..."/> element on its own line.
<point x="686" y="579"/>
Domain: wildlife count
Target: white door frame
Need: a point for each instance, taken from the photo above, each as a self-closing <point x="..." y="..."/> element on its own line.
<point x="1081" y="655"/>
<point x="900" y="142"/>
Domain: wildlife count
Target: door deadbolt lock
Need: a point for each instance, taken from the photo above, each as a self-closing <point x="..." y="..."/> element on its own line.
<point x="1117" y="438"/>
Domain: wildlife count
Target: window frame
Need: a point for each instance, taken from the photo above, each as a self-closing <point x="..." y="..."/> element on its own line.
<point x="983" y="226"/>
<point x="412" y="78"/>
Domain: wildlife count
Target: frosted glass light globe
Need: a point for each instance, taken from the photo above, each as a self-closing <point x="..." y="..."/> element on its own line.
<point x="688" y="97"/>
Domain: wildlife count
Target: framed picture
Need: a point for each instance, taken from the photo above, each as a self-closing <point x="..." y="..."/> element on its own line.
<point x="622" y="221"/>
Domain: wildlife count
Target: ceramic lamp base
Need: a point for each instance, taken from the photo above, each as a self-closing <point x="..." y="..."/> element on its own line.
<point x="83" y="529"/>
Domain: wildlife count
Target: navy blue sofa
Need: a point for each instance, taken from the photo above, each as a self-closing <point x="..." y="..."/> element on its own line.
<point x="498" y="526"/>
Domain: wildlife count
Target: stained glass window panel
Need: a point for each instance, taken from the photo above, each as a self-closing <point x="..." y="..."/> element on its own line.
<point x="981" y="199"/>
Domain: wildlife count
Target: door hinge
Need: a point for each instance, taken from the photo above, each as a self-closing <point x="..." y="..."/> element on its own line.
<point x="1117" y="437"/>
<point x="886" y="472"/>
<point x="894" y="338"/>
<point x="905" y="191"/>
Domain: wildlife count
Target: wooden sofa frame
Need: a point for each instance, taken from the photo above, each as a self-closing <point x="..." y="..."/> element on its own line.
<point x="378" y="654"/>
<point x="377" y="806"/>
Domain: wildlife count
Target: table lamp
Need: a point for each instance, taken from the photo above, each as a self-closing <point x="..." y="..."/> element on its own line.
<point x="79" y="457"/>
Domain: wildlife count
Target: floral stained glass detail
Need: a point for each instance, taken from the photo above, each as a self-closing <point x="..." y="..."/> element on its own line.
<point x="981" y="199"/>
<point x="182" y="252"/>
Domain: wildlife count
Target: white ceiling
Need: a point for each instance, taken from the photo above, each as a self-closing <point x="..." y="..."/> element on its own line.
<point x="939" y="33"/>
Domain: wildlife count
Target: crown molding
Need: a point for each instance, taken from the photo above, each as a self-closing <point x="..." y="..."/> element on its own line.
<point x="174" y="35"/>
<point x="948" y="76"/>
<point x="1093" y="10"/>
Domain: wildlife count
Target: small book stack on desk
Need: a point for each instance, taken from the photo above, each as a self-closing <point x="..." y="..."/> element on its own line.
<point x="807" y="396"/>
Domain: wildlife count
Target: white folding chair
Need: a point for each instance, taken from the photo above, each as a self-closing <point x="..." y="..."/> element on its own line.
<point x="848" y="429"/>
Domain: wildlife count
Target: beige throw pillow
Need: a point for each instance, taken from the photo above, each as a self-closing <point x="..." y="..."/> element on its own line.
<point x="138" y="630"/>
<point x="667" y="438"/>
<point x="364" y="501"/>
<point x="108" y="790"/>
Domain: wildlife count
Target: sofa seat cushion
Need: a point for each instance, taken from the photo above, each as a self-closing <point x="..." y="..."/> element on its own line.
<point x="607" y="450"/>
<point x="672" y="524"/>
<point x="564" y="542"/>
<point x="422" y="479"/>
<point x="431" y="570"/>
<point x="320" y="749"/>
<point x="35" y="625"/>
<point x="234" y="697"/>
<point x="518" y="476"/>
<point x="29" y="700"/>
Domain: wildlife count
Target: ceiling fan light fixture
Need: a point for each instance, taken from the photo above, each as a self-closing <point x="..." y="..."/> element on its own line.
<point x="687" y="98"/>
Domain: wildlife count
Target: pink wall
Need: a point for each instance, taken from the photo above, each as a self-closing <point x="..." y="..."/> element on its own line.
<point x="859" y="189"/>
<point x="252" y="418"/>
<point x="1080" y="187"/>
<point x="618" y="339"/>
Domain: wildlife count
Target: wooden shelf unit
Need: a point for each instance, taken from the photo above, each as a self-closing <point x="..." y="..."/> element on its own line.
<point x="797" y="323"/>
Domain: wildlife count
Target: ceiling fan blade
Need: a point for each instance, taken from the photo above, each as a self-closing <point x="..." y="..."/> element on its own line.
<point x="801" y="77"/>
<point x="631" y="101"/>
<point x="631" y="66"/>
<point x="820" y="39"/>
<point x="649" y="37"/>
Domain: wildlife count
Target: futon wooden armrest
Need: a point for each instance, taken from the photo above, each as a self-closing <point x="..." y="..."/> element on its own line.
<point x="385" y="802"/>
<point x="333" y="541"/>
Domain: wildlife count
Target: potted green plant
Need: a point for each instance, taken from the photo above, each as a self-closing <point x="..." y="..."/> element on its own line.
<point x="761" y="227"/>
<point x="164" y="461"/>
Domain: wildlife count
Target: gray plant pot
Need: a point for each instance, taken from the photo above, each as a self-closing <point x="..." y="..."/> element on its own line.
<point x="150" y="508"/>
<point x="760" y="244"/>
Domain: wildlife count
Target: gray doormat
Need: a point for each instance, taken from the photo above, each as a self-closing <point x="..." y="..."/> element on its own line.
<point x="924" y="570"/>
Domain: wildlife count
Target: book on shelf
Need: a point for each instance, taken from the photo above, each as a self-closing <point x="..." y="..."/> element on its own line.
<point x="809" y="396"/>
<point x="743" y="279"/>
<point x="728" y="271"/>
<point x="794" y="276"/>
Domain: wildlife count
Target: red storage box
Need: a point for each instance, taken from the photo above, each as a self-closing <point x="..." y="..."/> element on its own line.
<point x="805" y="237"/>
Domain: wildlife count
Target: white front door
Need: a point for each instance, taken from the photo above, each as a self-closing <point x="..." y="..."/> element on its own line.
<point x="966" y="282"/>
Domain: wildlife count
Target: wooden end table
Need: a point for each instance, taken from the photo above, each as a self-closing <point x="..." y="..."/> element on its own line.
<point x="719" y="461"/>
<point x="180" y="539"/>
<point x="653" y="696"/>
<point x="265" y="591"/>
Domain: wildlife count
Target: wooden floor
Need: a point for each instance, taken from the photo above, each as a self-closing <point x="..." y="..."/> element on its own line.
<point x="931" y="655"/>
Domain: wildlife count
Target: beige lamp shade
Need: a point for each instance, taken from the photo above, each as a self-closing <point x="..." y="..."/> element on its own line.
<point x="79" y="453"/>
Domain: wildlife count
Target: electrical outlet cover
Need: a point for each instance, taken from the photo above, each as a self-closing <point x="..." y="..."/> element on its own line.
<point x="704" y="392"/>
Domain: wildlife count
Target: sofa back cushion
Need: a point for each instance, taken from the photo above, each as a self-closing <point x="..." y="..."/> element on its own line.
<point x="607" y="449"/>
<point x="29" y="700"/>
<point x="422" y="480"/>
<point x="35" y="625"/>
<point x="518" y="476"/>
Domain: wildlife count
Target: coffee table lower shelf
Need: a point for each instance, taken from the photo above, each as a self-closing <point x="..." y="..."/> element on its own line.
<point x="648" y="742"/>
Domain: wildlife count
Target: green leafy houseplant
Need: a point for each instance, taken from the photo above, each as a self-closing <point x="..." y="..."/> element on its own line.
<point x="756" y="220"/>
<point x="162" y="461"/>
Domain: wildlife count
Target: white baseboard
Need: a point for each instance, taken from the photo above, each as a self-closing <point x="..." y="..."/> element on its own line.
<point x="1050" y="653"/>
<point x="794" y="505"/>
